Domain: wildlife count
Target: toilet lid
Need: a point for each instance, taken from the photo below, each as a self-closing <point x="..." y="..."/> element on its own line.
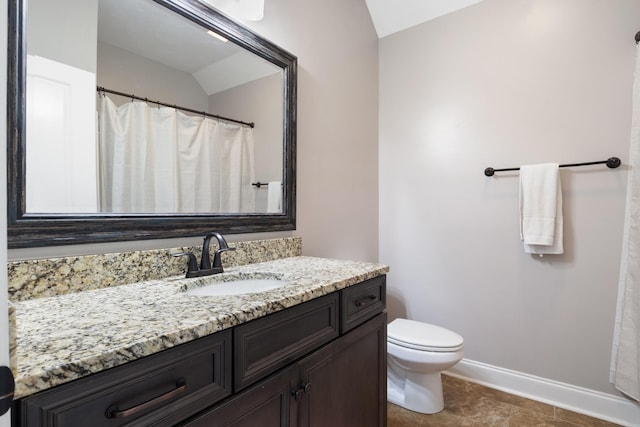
<point x="423" y="336"/>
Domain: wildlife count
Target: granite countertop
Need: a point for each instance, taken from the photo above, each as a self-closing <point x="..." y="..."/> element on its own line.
<point x="74" y="335"/>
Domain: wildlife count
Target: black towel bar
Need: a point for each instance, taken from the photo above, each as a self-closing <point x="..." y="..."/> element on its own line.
<point x="611" y="162"/>
<point x="260" y="184"/>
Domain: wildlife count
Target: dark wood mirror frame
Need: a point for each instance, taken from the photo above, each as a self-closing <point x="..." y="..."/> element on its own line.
<point x="33" y="230"/>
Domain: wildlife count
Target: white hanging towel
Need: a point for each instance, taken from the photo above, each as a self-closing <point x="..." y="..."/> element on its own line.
<point x="274" y="197"/>
<point x="541" y="221"/>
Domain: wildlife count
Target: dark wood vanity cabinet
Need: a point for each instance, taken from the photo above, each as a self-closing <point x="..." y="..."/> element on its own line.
<point x="343" y="384"/>
<point x="268" y="403"/>
<point x="318" y="364"/>
<point x="331" y="354"/>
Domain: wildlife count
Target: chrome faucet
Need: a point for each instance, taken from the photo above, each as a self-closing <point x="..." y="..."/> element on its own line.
<point x="206" y="269"/>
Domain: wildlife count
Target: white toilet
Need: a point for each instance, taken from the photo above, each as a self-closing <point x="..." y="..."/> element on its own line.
<point x="417" y="353"/>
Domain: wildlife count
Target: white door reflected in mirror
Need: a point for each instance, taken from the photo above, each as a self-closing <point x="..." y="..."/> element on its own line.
<point x="62" y="175"/>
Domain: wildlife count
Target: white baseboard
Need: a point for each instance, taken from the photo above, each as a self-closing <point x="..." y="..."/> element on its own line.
<point x="595" y="404"/>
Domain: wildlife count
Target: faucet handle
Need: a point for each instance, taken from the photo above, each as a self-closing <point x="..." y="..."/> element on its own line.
<point x="219" y="251"/>
<point x="217" y="258"/>
<point x="193" y="262"/>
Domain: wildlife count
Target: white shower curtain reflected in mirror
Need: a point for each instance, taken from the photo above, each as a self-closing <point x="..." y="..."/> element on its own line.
<point x="159" y="160"/>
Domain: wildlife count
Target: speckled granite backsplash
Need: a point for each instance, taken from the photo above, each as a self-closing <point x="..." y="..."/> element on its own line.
<point x="57" y="276"/>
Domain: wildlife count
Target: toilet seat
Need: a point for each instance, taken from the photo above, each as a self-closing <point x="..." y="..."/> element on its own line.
<point x="423" y="336"/>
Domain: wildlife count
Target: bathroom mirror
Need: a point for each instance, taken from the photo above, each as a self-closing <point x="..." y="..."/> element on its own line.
<point x="103" y="45"/>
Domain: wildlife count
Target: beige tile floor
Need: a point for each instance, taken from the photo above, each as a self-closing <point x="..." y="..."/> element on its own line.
<point x="468" y="404"/>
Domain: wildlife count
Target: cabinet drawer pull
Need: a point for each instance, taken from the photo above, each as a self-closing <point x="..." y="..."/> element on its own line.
<point x="114" y="412"/>
<point x="365" y="300"/>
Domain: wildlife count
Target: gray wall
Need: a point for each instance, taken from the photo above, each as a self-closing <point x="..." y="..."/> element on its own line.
<point x="504" y="83"/>
<point x="337" y="50"/>
<point x="64" y="31"/>
<point x="126" y="72"/>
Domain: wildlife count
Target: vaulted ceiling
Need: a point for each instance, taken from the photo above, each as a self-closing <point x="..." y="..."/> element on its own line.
<point x="390" y="16"/>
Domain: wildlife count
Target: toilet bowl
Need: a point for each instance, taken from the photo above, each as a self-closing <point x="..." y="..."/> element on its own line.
<point x="417" y="353"/>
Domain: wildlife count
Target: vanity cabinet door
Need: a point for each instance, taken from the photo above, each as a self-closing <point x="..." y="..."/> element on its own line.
<point x="344" y="383"/>
<point x="268" y="403"/>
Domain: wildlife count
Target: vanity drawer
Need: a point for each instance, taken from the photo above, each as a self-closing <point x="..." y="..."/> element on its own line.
<point x="264" y="345"/>
<point x="361" y="302"/>
<point x="160" y="389"/>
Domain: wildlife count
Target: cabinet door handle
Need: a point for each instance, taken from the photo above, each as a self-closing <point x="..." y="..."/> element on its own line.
<point x="305" y="388"/>
<point x="365" y="300"/>
<point x="114" y="412"/>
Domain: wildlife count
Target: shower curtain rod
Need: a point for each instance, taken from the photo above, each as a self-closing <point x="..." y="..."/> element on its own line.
<point x="611" y="162"/>
<point x="115" y="92"/>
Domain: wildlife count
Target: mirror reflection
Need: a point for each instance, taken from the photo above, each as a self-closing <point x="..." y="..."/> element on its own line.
<point x="137" y="110"/>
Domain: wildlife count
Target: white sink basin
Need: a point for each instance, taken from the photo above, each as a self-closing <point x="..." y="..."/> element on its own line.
<point x="236" y="287"/>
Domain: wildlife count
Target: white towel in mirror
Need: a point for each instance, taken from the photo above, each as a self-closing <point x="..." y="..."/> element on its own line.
<point x="274" y="197"/>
